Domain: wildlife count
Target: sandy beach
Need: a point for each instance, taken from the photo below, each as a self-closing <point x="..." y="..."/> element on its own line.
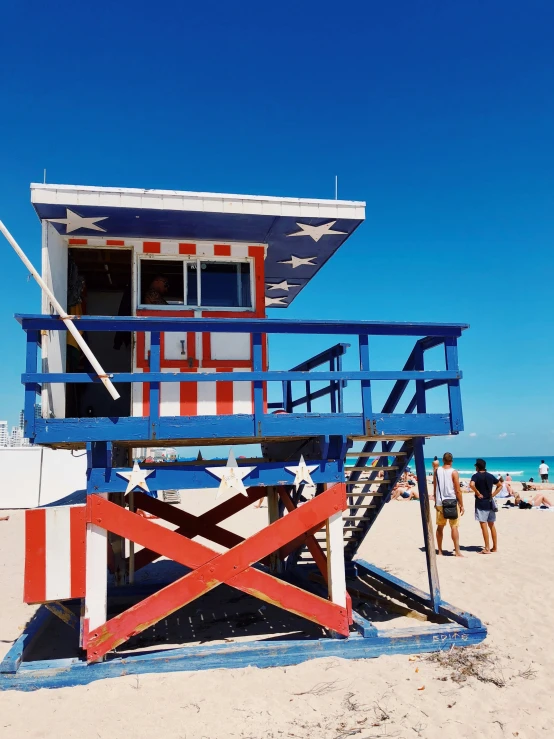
<point x="397" y="696"/>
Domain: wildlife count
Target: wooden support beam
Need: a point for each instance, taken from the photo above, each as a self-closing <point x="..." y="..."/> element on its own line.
<point x="275" y="561"/>
<point x="211" y="569"/>
<point x="428" y="533"/>
<point x="336" y="578"/>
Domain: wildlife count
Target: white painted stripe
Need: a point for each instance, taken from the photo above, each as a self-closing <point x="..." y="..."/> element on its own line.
<point x="170" y="395"/>
<point x="96" y="575"/>
<point x="207" y="405"/>
<point x="139" y="247"/>
<point x="137" y="397"/>
<point x="239" y="250"/>
<point x="58" y="553"/>
<point x="242" y="397"/>
<point x="169" y="247"/>
<point x="204" y="250"/>
<point x="335" y="560"/>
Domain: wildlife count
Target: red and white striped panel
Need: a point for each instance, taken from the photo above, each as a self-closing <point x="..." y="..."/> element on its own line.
<point x="170" y="247"/>
<point x="54" y="553"/>
<point x="196" y="398"/>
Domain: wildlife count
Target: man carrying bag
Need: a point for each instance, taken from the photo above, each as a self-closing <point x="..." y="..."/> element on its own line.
<point x="449" y="503"/>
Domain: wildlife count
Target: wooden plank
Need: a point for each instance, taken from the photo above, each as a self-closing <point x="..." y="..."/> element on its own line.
<point x="96" y="576"/>
<point x="458" y="615"/>
<point x="232" y="567"/>
<point x="275" y="561"/>
<point x="310" y="541"/>
<point x="40" y="321"/>
<point x="64" y="613"/>
<point x="374" y="454"/>
<point x="191" y="526"/>
<point x="336" y="577"/>
<point x="32" y="631"/>
<point x="278" y="653"/>
<point x="428" y="533"/>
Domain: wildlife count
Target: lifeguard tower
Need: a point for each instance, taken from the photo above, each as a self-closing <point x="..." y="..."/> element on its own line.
<point x="170" y="290"/>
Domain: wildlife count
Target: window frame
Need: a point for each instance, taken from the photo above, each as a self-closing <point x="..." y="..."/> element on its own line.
<point x="186" y="260"/>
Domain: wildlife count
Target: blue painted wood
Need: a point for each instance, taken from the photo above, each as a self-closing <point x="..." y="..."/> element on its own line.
<point x="244" y="325"/>
<point x="464" y="618"/>
<point x="68" y="430"/>
<point x="12" y="660"/>
<point x="419" y="365"/>
<point x="154" y="386"/>
<point x="274" y="653"/>
<point x="427" y="526"/>
<point x="454" y="394"/>
<point x="257" y="363"/>
<point x="33" y="340"/>
<point x="367" y="411"/>
<point x="270" y="376"/>
<point x="191" y="477"/>
<point x="365" y="627"/>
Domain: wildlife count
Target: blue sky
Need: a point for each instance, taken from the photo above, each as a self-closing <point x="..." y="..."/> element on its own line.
<point x="439" y="115"/>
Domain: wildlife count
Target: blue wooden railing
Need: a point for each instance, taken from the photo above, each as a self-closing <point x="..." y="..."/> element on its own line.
<point x="365" y="422"/>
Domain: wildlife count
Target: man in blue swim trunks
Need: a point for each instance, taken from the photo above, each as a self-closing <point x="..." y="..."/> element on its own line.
<point x="482" y="484"/>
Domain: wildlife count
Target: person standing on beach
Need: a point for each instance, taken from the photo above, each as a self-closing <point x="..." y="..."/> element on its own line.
<point x="482" y="484"/>
<point x="446" y="485"/>
<point x="543" y="471"/>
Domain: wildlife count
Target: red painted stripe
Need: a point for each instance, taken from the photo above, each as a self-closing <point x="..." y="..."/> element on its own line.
<point x="222" y="250"/>
<point x="34" y="590"/>
<point x="78" y="241"/>
<point x="146" y="399"/>
<point x="151" y="247"/>
<point x="187" y="248"/>
<point x="114" y="242"/>
<point x="258" y="252"/>
<point x="224" y="398"/>
<point x="78" y="530"/>
<point x="188" y="399"/>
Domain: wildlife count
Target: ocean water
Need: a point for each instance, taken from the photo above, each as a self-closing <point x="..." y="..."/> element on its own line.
<point x="520" y="468"/>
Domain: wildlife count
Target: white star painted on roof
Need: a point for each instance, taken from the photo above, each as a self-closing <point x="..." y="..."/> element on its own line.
<point x="73" y="222"/>
<point x="299" y="261"/>
<point x="302" y="472"/>
<point x="316" y="232"/>
<point x="136" y="478"/>
<point x="284" y="285"/>
<point x="269" y="302"/>
<point x="231" y="476"/>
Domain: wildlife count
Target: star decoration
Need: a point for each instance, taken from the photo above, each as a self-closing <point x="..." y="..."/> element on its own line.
<point x="299" y="261"/>
<point x="316" y="232"/>
<point x="269" y="302"/>
<point x="136" y="478"/>
<point x="73" y="222"/>
<point x="231" y="476"/>
<point x="302" y="472"/>
<point x="284" y="285"/>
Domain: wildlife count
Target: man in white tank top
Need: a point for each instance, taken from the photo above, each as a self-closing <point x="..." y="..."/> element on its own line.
<point x="446" y="485"/>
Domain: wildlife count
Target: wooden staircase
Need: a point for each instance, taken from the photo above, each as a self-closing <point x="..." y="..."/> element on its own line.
<point x="368" y="488"/>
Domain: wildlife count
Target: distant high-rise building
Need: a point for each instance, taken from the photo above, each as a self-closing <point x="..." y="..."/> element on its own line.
<point x="16" y="437"/>
<point x="4" y="436"/>
<point x="22" y="421"/>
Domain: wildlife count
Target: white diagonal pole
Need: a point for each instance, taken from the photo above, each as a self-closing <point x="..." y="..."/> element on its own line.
<point x="63" y="315"/>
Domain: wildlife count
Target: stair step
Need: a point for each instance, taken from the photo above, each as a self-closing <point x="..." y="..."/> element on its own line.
<point x="364" y="505"/>
<point x="371" y="469"/>
<point x="365" y="495"/>
<point x="370" y="482"/>
<point x="356" y="518"/>
<point x="375" y="454"/>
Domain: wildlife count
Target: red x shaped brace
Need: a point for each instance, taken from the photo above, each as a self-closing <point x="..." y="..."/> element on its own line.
<point x="211" y="569"/>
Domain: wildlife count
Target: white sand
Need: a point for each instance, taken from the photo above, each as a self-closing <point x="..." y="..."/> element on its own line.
<point x="331" y="698"/>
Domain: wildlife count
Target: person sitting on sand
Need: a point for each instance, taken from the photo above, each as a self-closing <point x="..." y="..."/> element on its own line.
<point x="506" y="490"/>
<point x="446" y="486"/>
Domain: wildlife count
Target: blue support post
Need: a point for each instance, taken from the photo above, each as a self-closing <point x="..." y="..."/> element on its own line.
<point x="155" y="362"/>
<point x="366" y="385"/>
<point x="428" y="536"/>
<point x="333" y="387"/>
<point x="257" y="362"/>
<point x="33" y="340"/>
<point x="454" y="394"/>
<point x="419" y="365"/>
